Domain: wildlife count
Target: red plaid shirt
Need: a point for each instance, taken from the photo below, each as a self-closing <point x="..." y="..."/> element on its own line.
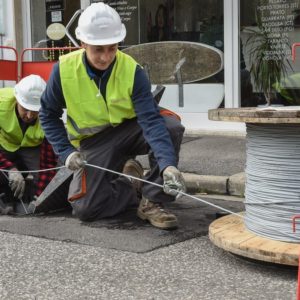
<point x="47" y="160"/>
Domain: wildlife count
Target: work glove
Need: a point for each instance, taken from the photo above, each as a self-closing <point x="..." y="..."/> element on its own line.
<point x="16" y="183"/>
<point x="173" y="182"/>
<point x="75" y="161"/>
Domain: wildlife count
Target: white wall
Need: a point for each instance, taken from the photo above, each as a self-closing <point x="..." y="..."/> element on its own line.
<point x="9" y="28"/>
<point x="8" y="35"/>
<point x="231" y="53"/>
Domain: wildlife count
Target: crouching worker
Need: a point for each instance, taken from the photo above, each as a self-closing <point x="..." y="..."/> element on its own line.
<point x="23" y="146"/>
<point x="111" y="117"/>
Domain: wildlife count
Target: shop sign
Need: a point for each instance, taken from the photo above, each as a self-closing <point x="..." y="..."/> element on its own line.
<point x="52" y="5"/>
<point x="56" y="16"/>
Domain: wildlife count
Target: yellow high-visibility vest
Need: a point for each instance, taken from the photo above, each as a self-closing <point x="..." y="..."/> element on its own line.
<point x="11" y="135"/>
<point x="87" y="111"/>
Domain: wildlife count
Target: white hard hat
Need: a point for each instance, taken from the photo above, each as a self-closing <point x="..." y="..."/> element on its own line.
<point x="28" y="92"/>
<point x="99" y="25"/>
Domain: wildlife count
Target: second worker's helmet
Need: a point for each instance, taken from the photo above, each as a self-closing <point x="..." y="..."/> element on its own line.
<point x="100" y="24"/>
<point x="28" y="92"/>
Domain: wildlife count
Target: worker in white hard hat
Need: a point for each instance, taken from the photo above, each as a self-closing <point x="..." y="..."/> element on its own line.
<point x="111" y="117"/>
<point x="23" y="146"/>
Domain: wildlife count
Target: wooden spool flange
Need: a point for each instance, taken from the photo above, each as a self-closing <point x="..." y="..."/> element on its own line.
<point x="280" y="115"/>
<point x="230" y="234"/>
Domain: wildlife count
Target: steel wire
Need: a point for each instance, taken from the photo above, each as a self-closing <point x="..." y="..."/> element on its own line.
<point x="272" y="195"/>
<point x="132" y="177"/>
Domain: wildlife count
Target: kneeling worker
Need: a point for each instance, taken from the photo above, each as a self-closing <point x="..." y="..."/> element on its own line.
<point x="111" y="116"/>
<point x="23" y="146"/>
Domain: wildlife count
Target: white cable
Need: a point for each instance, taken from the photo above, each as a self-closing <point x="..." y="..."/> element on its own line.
<point x="132" y="177"/>
<point x="273" y="180"/>
<point x="161" y="186"/>
<point x="31" y="171"/>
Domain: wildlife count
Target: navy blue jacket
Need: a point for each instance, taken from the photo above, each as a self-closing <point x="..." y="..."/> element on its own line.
<point x="148" y="117"/>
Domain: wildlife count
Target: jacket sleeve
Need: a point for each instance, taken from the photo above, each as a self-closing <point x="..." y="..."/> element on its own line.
<point x="151" y="122"/>
<point x="5" y="163"/>
<point x="48" y="160"/>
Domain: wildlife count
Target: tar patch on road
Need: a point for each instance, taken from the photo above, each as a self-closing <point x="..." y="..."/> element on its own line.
<point x="124" y="232"/>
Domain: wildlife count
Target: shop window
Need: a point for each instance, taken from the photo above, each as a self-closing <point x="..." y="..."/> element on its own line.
<point x="164" y="20"/>
<point x="268" y="30"/>
<point x="190" y="20"/>
<point x="198" y="21"/>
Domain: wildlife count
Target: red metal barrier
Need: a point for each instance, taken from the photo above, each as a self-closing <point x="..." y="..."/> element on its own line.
<point x="9" y="68"/>
<point x="294" y="46"/>
<point x="42" y="67"/>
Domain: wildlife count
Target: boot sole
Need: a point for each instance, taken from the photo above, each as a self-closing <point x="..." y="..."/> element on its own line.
<point x="164" y="225"/>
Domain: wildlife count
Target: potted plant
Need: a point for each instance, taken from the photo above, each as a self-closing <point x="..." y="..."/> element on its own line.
<point x="266" y="71"/>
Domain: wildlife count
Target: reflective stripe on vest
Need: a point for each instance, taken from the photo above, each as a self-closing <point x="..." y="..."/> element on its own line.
<point x="11" y="135"/>
<point x="87" y="111"/>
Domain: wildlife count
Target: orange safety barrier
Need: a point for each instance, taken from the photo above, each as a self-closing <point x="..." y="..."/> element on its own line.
<point x="42" y="67"/>
<point x="9" y="68"/>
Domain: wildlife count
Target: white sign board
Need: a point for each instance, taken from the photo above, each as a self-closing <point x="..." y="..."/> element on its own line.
<point x="56" y="16"/>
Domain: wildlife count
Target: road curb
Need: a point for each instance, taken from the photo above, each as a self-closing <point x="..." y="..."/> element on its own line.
<point x="226" y="185"/>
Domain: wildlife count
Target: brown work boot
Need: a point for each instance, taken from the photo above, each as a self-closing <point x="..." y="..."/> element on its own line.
<point x="133" y="168"/>
<point x="156" y="215"/>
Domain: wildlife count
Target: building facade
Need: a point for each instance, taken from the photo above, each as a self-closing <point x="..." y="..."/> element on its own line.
<point x="238" y="28"/>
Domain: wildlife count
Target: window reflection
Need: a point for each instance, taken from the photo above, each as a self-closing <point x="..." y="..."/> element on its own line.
<point x="160" y="31"/>
<point x="198" y="21"/>
<point x="190" y="20"/>
<point x="278" y="22"/>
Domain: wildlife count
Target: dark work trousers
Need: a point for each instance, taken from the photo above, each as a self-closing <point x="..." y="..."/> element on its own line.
<point x="25" y="159"/>
<point x="108" y="194"/>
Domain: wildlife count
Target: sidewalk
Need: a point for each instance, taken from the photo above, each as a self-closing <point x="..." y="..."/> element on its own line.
<point x="212" y="164"/>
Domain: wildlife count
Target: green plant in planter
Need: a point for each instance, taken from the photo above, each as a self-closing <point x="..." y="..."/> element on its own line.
<point x="289" y="89"/>
<point x="266" y="71"/>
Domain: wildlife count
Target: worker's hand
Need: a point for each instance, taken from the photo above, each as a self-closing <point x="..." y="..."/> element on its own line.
<point x="16" y="183"/>
<point x="173" y="182"/>
<point x="75" y="161"/>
